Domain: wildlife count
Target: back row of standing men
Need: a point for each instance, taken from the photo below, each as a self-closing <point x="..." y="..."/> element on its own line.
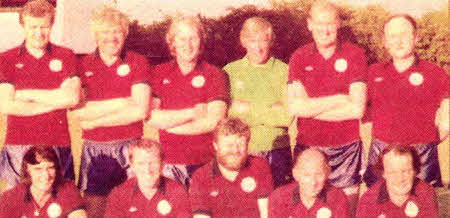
<point x="326" y="86"/>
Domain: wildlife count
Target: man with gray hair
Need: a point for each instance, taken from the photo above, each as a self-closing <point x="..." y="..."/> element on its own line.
<point x="258" y="84"/>
<point x="117" y="100"/>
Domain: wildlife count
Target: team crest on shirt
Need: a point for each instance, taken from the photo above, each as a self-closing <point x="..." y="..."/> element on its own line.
<point x="382" y="215"/>
<point x="132" y="209"/>
<point x="166" y="81"/>
<point x="323" y="212"/>
<point x="416" y="79"/>
<point x="54" y="210"/>
<point x="123" y="70"/>
<point x="198" y="81"/>
<point x="214" y="193"/>
<point x="88" y="73"/>
<point x="55" y="65"/>
<point x="411" y="209"/>
<point x="164" y="207"/>
<point x="248" y="184"/>
<point x="378" y="79"/>
<point x="309" y="68"/>
<point x="340" y="65"/>
<point x="239" y="84"/>
<point x="19" y="65"/>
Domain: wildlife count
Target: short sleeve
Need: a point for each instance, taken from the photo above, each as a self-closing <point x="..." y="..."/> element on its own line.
<point x="8" y="204"/>
<point x="277" y="205"/>
<point x="71" y="198"/>
<point x="295" y="69"/>
<point x="198" y="195"/>
<point x="368" y="114"/>
<point x="183" y="207"/>
<point x="358" y="68"/>
<point x="114" y="204"/>
<point x="264" y="177"/>
<point x="142" y="70"/>
<point x="219" y="87"/>
<point x="72" y="65"/>
<point x="154" y="81"/>
<point x="4" y="71"/>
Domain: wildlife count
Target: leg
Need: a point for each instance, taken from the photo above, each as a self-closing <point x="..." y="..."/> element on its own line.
<point x="11" y="163"/>
<point x="66" y="161"/>
<point x="280" y="161"/>
<point x="430" y="171"/>
<point x="370" y="175"/>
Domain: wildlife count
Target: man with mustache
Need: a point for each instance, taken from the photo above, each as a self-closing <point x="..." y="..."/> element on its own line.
<point x="234" y="184"/>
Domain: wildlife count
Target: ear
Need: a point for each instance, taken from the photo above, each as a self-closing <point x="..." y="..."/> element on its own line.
<point x="310" y="23"/>
<point x="215" y="146"/>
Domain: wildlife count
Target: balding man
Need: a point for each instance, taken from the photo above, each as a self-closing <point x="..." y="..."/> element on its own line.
<point x="409" y="101"/>
<point x="327" y="93"/>
<point x="311" y="195"/>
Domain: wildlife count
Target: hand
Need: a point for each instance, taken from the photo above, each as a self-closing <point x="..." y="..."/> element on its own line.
<point x="73" y="82"/>
<point x="241" y="106"/>
<point x="88" y="125"/>
<point x="277" y="105"/>
<point x="200" y="110"/>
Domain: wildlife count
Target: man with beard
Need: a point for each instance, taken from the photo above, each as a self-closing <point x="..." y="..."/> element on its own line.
<point x="148" y="194"/>
<point x="234" y="184"/>
<point x="400" y="193"/>
<point x="311" y="195"/>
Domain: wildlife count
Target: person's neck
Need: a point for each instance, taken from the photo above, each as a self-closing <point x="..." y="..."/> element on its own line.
<point x="327" y="52"/>
<point x="260" y="64"/>
<point x="35" y="52"/>
<point x="108" y="59"/>
<point x="230" y="175"/>
<point x="307" y="201"/>
<point x="39" y="196"/>
<point x="186" y="66"/>
<point x="149" y="191"/>
<point x="401" y="65"/>
<point x="398" y="200"/>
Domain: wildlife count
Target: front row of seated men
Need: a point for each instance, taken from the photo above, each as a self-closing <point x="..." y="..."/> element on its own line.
<point x="234" y="184"/>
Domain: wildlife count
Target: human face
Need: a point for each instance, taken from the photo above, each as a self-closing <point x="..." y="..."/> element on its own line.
<point x="147" y="167"/>
<point x="323" y="25"/>
<point x="186" y="43"/>
<point x="398" y="173"/>
<point x="231" y="151"/>
<point x="399" y="38"/>
<point x="311" y="176"/>
<point x="42" y="175"/>
<point x="37" y="31"/>
<point x="257" y="45"/>
<point x="110" y="39"/>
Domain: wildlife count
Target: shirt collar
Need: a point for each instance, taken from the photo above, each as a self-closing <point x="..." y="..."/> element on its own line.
<point x="216" y="170"/>
<point x="122" y="56"/>
<point x="321" y="196"/>
<point x="29" y="197"/>
<point x="161" y="186"/>
<point x="338" y="47"/>
<point x="415" y="63"/>
<point x="269" y="63"/>
<point x="23" y="49"/>
<point x="383" y="195"/>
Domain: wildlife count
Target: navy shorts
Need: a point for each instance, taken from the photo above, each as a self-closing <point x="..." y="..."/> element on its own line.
<point x="345" y="162"/>
<point x="104" y="165"/>
<point x="180" y="172"/>
<point x="11" y="159"/>
<point x="428" y="152"/>
<point x="280" y="161"/>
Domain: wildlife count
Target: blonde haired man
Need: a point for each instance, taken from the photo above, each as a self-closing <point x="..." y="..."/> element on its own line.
<point x="117" y="95"/>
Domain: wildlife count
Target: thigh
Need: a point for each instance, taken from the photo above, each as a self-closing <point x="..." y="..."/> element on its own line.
<point x="11" y="159"/>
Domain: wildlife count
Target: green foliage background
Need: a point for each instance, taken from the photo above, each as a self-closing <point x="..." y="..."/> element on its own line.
<point x="362" y="26"/>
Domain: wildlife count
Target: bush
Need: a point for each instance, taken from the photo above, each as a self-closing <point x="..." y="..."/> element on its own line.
<point x="362" y="26"/>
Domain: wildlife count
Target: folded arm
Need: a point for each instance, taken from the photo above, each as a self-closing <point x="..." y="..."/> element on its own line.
<point x="301" y="105"/>
<point x="66" y="96"/>
<point x="216" y="110"/>
<point x="354" y="109"/>
<point x="442" y="119"/>
<point x="135" y="110"/>
<point x="11" y="106"/>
